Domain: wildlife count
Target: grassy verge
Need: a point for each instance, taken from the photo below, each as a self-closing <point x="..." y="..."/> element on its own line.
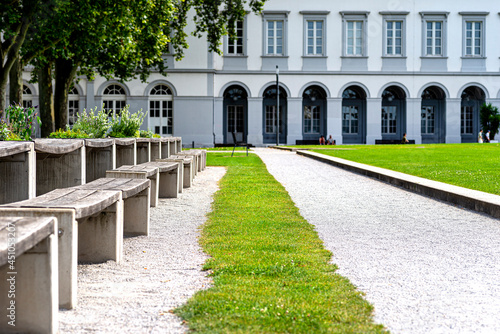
<point x="270" y="269"/>
<point x="473" y="166"/>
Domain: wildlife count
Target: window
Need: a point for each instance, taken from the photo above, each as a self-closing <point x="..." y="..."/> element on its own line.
<point x="272" y="121"/>
<point x="350" y="119"/>
<point x="27" y="97"/>
<point x="161" y="109"/>
<point x="312" y="119"/>
<point x="389" y="119"/>
<point x="314" y="38"/>
<point x="354" y="33"/>
<point x="73" y="106"/>
<point x="434" y="34"/>
<point x="466" y="119"/>
<point x="235" y="47"/>
<point x="427" y="120"/>
<point x="473" y="34"/>
<point x="394" y="41"/>
<point x="114" y="99"/>
<point x="275" y="38"/>
<point x="275" y="33"/>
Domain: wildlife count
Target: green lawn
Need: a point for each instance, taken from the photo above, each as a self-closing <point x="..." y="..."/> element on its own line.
<point x="473" y="166"/>
<point x="271" y="272"/>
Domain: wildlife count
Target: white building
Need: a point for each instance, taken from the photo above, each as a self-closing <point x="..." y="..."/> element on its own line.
<point x="361" y="71"/>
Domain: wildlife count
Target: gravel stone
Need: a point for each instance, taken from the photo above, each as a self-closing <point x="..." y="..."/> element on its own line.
<point x="159" y="272"/>
<point x="425" y="265"/>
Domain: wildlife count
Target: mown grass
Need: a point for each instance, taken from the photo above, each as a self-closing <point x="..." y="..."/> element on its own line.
<point x="271" y="272"/>
<point x="473" y="166"/>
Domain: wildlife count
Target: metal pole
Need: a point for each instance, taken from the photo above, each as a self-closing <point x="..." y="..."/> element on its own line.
<point x="277" y="106"/>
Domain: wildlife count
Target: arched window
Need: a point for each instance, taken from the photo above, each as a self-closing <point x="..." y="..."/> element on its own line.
<point x="73" y="106"/>
<point x="27" y="97"/>
<point x="161" y="110"/>
<point x="313" y="105"/>
<point x="114" y="99"/>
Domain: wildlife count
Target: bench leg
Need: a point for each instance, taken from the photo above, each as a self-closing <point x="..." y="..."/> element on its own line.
<point x="168" y="185"/>
<point x="154" y="191"/>
<point x="67" y="245"/>
<point x="187" y="177"/>
<point x="100" y="237"/>
<point x="180" y="177"/>
<point x="30" y="296"/>
<point x="136" y="214"/>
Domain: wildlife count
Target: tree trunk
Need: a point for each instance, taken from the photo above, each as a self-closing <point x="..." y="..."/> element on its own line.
<point x="65" y="72"/>
<point x="3" y="98"/>
<point x="16" y="82"/>
<point x="46" y="104"/>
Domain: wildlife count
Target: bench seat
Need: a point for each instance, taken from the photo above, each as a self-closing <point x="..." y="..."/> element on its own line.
<point x="135" y="195"/>
<point x="189" y="167"/>
<point x="139" y="172"/>
<point x="90" y="226"/>
<point x="28" y="267"/>
<point x="17" y="171"/>
<point x="169" y="178"/>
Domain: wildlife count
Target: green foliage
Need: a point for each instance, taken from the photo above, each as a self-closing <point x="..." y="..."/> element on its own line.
<point x="4" y="130"/>
<point x="22" y="120"/>
<point x="126" y="124"/>
<point x="473" y="166"/>
<point x="490" y="119"/>
<point x="68" y="133"/>
<point x="146" y="134"/>
<point x="94" y="123"/>
<point x="270" y="270"/>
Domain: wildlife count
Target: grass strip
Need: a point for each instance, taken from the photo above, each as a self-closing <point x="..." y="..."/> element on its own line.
<point x="271" y="272"/>
<point x="472" y="166"/>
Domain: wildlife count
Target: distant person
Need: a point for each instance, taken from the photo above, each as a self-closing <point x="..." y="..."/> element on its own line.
<point x="488" y="136"/>
<point x="404" y="140"/>
<point x="480" y="137"/>
<point x="330" y="141"/>
<point x="322" y="140"/>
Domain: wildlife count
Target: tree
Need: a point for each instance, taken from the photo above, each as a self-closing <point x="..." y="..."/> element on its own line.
<point x="490" y="119"/>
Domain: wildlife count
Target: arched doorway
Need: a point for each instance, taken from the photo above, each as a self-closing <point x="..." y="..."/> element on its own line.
<point x="313" y="113"/>
<point x="472" y="99"/>
<point x="271" y="117"/>
<point x="354" y="115"/>
<point x="393" y="113"/>
<point x="161" y="119"/>
<point x="433" y="109"/>
<point x="235" y="114"/>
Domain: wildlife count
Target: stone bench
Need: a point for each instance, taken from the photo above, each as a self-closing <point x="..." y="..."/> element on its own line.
<point x="90" y="229"/>
<point x="143" y="150"/>
<point x="189" y="168"/>
<point x="165" y="148"/>
<point x="199" y="158"/>
<point x="169" y="177"/>
<point x="135" y="195"/>
<point x="126" y="152"/>
<point x="139" y="172"/>
<point x="60" y="163"/>
<point x="28" y="271"/>
<point x="17" y="171"/>
<point x="155" y="148"/>
<point x="100" y="157"/>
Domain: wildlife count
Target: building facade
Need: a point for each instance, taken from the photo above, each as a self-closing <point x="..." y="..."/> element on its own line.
<point x="360" y="71"/>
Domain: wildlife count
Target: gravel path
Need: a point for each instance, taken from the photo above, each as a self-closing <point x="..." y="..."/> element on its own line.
<point x="159" y="272"/>
<point x="426" y="266"/>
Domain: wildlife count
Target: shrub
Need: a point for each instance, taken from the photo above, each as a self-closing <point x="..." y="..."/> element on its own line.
<point x="126" y="124"/>
<point x="490" y="119"/>
<point x="68" y="133"/>
<point x="21" y="121"/>
<point x="95" y="123"/>
<point x="146" y="134"/>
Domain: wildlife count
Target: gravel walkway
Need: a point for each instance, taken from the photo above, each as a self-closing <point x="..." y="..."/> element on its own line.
<point x="158" y="274"/>
<point x="426" y="266"/>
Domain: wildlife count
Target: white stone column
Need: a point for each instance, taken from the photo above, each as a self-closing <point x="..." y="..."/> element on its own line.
<point x="452" y="121"/>
<point x="219" y="120"/>
<point x="255" y="122"/>
<point x="373" y="120"/>
<point x="294" y="120"/>
<point x="413" y="119"/>
<point x="334" y="119"/>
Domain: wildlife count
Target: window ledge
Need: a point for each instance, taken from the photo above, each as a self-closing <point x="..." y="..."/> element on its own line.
<point x="358" y="57"/>
<point x="235" y="56"/>
<point x="394" y="57"/>
<point x="314" y="56"/>
<point x="274" y="56"/>
<point x="473" y="57"/>
<point x="433" y="57"/>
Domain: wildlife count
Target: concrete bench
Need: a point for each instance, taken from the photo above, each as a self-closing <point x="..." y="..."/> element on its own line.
<point x="135" y="195"/>
<point x="17" y="171"/>
<point x="100" y="157"/>
<point x="199" y="158"/>
<point x="90" y="226"/>
<point x="165" y="148"/>
<point x="155" y="147"/>
<point x="143" y="150"/>
<point x="28" y="268"/>
<point x="139" y="172"/>
<point x="189" y="168"/>
<point x="168" y="178"/>
<point x="178" y="144"/>
<point x="126" y="151"/>
<point x="60" y="163"/>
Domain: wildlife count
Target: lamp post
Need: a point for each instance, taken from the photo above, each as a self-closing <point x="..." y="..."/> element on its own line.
<point x="277" y="106"/>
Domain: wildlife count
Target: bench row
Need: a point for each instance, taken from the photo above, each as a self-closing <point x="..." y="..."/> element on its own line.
<point x="29" y="169"/>
<point x="90" y="221"/>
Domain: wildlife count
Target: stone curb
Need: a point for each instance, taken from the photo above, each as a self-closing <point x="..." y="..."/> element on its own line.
<point x="467" y="198"/>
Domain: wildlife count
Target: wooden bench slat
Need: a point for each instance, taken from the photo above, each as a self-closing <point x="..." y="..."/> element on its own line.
<point x="124" y="141"/>
<point x="149" y="170"/>
<point x="57" y="146"/>
<point x="99" y="143"/>
<point x="28" y="233"/>
<point x="128" y="187"/>
<point x="162" y="166"/>
<point x="84" y="202"/>
<point x="8" y="148"/>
